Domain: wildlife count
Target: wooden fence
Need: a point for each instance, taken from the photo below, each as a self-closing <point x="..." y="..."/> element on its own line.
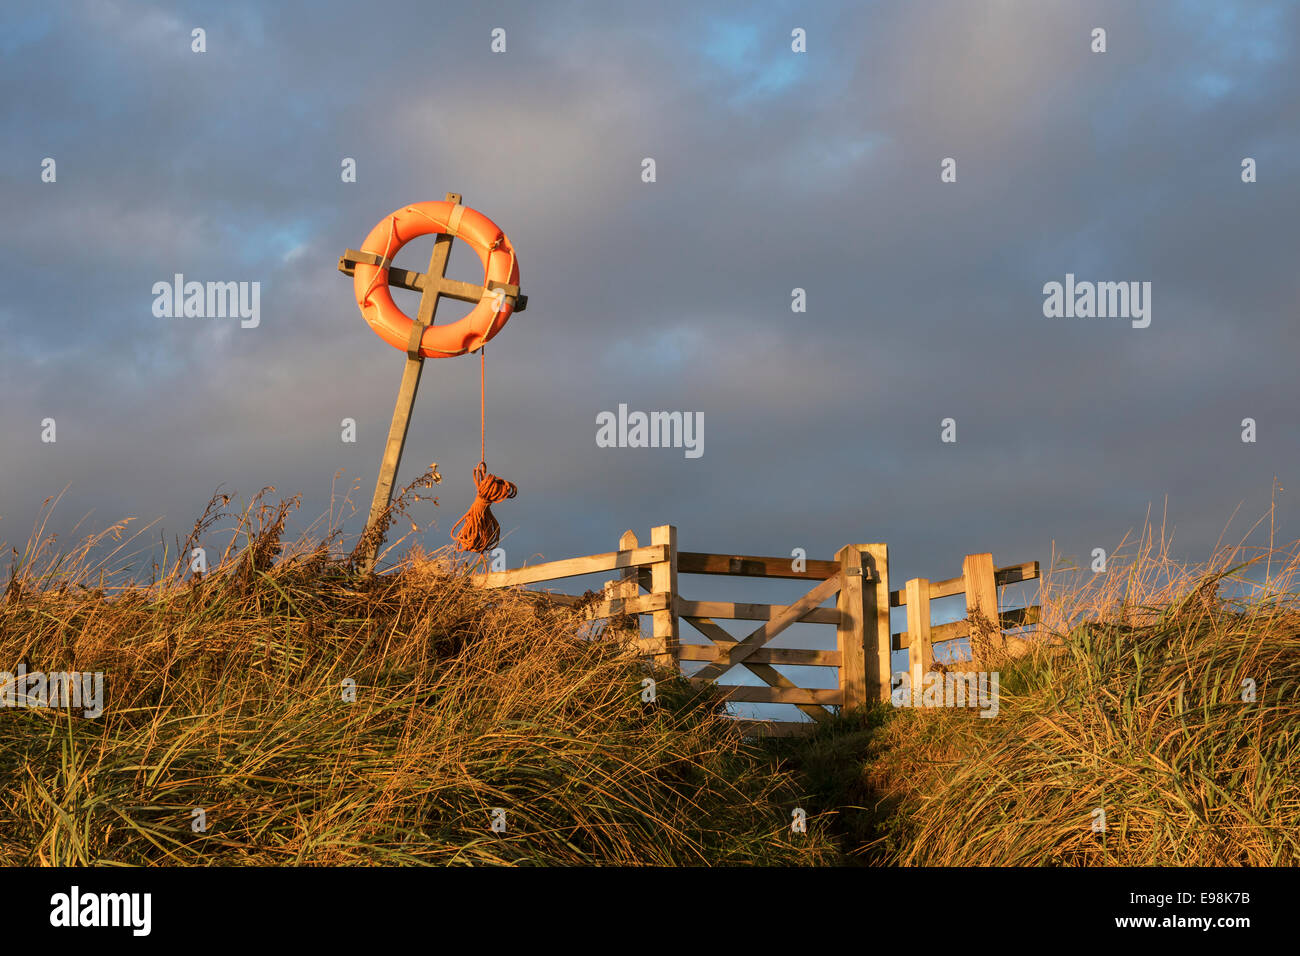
<point x="858" y="580"/>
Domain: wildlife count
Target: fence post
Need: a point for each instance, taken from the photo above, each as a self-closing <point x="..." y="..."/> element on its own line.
<point x="920" y="654"/>
<point x="663" y="580"/>
<point x="851" y="632"/>
<point x="981" y="605"/>
<point x="875" y="558"/>
<point x="626" y="585"/>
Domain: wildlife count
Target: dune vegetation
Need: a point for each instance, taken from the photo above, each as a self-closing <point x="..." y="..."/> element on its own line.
<point x="1155" y="720"/>
<point x="278" y="707"/>
<point x="281" y="709"/>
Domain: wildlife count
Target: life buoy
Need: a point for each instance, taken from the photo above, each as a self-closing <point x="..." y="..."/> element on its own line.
<point x="370" y="282"/>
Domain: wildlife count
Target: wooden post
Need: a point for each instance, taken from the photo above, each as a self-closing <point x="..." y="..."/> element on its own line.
<point x="981" y="606"/>
<point x="406" y="393"/>
<point x="875" y="616"/>
<point x="851" y="632"/>
<point x="663" y="580"/>
<point x="626" y="586"/>
<point x="920" y="655"/>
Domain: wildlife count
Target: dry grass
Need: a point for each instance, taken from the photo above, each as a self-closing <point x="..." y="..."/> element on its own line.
<point x="225" y="693"/>
<point x="1132" y="701"/>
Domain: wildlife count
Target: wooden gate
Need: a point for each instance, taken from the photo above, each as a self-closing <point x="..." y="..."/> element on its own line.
<point x="857" y="579"/>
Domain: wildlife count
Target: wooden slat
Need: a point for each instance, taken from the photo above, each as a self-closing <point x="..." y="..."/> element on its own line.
<point x="1011" y="574"/>
<point x="641" y="604"/>
<point x="744" y="565"/>
<point x="765" y="672"/>
<point x="647" y="645"/>
<point x="959" y="630"/>
<point x="876" y="622"/>
<point x="571" y="567"/>
<point x="773" y="627"/>
<point x="804" y="657"/>
<point x="731" y="611"/>
<point x="663" y="580"/>
<point x="780" y="695"/>
<point x="1015" y="573"/>
<point x="419" y="281"/>
<point x="1020" y="616"/>
<point x="938" y="589"/>
<point x="851" y="633"/>
<point x="624" y="588"/>
<point x="920" y="656"/>
<point x="629" y="578"/>
<point x="955" y="631"/>
<point x="982" y="605"/>
<point x="463" y="291"/>
<point x="554" y="597"/>
<point x="402" y="278"/>
<point x="710" y="629"/>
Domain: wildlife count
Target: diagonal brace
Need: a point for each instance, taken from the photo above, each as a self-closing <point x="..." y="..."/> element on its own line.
<point x="730" y="656"/>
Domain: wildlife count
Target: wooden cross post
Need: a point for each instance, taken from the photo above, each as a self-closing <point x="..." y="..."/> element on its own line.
<point x="433" y="286"/>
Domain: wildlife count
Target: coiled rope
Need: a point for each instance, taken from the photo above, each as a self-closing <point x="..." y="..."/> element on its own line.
<point x="479" y="529"/>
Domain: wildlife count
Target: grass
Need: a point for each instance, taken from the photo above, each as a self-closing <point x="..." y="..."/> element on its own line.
<point x="227" y="694"/>
<point x="317" y="716"/>
<point x="1135" y="700"/>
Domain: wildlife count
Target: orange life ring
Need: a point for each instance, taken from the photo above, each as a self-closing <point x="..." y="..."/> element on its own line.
<point x="370" y="282"/>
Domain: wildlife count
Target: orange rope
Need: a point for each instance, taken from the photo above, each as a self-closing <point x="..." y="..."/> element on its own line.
<point x="479" y="529"/>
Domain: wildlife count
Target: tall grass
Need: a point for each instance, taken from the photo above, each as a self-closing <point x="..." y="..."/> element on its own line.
<point x="227" y="694"/>
<point x="1136" y="702"/>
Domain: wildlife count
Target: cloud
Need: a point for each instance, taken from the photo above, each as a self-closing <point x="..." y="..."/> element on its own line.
<point x="776" y="170"/>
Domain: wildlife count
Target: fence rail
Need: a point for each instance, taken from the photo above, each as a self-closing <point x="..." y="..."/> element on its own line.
<point x="858" y="581"/>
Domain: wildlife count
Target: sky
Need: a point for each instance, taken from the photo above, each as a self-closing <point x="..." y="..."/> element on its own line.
<point x="775" y="170"/>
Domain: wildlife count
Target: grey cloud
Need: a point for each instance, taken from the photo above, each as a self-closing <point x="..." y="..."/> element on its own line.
<point x="924" y="299"/>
